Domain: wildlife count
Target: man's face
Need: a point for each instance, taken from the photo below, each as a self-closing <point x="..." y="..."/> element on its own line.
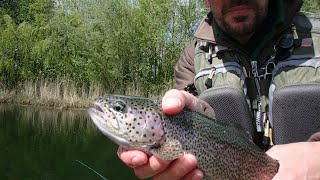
<point x="239" y="17"/>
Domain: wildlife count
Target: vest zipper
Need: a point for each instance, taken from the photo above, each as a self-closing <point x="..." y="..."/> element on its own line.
<point x="221" y="68"/>
<point x="258" y="112"/>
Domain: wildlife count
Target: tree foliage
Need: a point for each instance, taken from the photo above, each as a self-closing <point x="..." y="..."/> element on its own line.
<point x="117" y="43"/>
<point x="121" y="44"/>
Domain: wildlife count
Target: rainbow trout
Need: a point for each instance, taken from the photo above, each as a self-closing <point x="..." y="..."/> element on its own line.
<point x="221" y="150"/>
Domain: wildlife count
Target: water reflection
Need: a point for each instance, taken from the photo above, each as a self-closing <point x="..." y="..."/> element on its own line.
<point x="45" y="143"/>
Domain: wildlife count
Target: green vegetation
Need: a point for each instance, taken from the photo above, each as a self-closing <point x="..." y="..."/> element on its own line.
<point x="117" y="46"/>
<point x="311" y="6"/>
<point x="54" y="51"/>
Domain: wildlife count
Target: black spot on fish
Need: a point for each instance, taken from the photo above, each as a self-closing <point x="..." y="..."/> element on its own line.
<point x="134" y="119"/>
<point x="137" y="132"/>
<point x="152" y="127"/>
<point x="133" y="127"/>
<point x="138" y="124"/>
<point x="144" y="135"/>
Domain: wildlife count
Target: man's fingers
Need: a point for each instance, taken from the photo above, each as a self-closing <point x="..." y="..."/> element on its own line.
<point x="183" y="168"/>
<point x="195" y="174"/>
<point x="277" y="151"/>
<point x="179" y="168"/>
<point x="132" y="158"/>
<point x="174" y="101"/>
<point x="153" y="167"/>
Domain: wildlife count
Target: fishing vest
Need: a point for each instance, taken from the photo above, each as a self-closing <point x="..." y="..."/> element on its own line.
<point x="277" y="100"/>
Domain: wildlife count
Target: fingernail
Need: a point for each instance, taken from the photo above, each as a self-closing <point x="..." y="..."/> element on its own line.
<point x="172" y="105"/>
<point x="198" y="175"/>
<point x="135" y="161"/>
<point x="173" y="102"/>
<point x="120" y="151"/>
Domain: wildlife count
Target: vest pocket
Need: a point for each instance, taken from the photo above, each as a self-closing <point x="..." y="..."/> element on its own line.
<point x="226" y="74"/>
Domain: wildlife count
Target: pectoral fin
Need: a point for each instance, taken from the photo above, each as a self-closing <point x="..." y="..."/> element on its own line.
<point x="171" y="149"/>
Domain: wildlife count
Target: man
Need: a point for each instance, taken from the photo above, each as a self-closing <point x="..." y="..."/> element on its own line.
<point x="247" y="30"/>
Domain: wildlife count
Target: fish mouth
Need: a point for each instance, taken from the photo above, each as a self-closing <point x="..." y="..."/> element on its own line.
<point x="99" y="117"/>
<point x="97" y="107"/>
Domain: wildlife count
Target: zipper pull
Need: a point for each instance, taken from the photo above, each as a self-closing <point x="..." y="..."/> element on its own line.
<point x="294" y="32"/>
<point x="296" y="40"/>
<point x="209" y="54"/>
<point x="208" y="82"/>
<point x="267" y="136"/>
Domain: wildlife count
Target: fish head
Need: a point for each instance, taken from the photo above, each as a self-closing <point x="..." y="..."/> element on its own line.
<point x="129" y="121"/>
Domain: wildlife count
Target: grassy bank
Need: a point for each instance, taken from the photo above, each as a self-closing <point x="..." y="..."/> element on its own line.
<point x="58" y="93"/>
<point x="63" y="94"/>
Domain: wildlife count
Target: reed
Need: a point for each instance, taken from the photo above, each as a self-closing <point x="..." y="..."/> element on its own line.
<point x="60" y="93"/>
<point x="63" y="93"/>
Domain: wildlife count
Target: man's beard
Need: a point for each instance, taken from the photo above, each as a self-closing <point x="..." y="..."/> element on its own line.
<point x="246" y="28"/>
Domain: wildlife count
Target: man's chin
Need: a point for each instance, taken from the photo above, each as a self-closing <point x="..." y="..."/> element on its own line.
<point x="240" y="29"/>
<point x="240" y="25"/>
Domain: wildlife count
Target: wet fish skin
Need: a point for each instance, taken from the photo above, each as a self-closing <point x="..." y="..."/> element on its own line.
<point x="222" y="151"/>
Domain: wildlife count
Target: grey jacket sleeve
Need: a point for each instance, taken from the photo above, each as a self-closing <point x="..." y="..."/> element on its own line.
<point x="184" y="72"/>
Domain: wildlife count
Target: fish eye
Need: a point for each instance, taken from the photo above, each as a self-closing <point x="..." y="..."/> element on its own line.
<point x="119" y="106"/>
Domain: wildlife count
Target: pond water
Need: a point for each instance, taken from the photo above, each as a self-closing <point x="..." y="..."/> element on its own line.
<point x="45" y="143"/>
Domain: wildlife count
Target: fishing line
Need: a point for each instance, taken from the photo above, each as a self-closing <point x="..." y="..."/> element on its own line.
<point x="83" y="164"/>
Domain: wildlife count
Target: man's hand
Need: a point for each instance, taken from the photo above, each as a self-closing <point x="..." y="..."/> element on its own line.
<point x="184" y="167"/>
<point x="298" y="161"/>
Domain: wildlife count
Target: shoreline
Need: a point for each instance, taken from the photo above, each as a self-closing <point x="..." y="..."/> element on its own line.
<point x="52" y="103"/>
<point x="59" y="93"/>
<point x="65" y="94"/>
